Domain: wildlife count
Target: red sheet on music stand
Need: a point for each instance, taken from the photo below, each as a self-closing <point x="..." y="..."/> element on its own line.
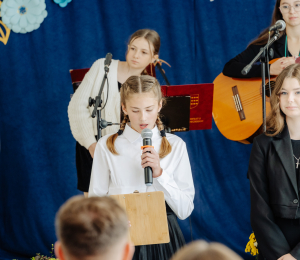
<point x="201" y="99"/>
<point x="201" y="102"/>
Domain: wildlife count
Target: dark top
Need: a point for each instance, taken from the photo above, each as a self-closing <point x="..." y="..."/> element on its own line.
<point x="296" y="152"/>
<point x="291" y="227"/>
<point x="234" y="67"/>
<point x="275" y="210"/>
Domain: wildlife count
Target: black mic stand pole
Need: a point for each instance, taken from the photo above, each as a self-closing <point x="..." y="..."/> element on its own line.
<point x="264" y="63"/>
<point x="263" y="56"/>
<point x="101" y="123"/>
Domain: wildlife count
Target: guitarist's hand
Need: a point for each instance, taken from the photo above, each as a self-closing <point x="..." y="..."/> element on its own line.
<point x="281" y="64"/>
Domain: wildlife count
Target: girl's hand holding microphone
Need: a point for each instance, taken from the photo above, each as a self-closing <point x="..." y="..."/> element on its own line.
<point x="151" y="158"/>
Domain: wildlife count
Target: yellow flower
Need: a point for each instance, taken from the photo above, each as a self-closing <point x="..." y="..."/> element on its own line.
<point x="252" y="245"/>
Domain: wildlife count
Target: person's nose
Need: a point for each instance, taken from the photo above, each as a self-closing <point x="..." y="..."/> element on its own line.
<point x="143" y="116"/>
<point x="136" y="54"/>
<point x="291" y="98"/>
<point x="292" y="9"/>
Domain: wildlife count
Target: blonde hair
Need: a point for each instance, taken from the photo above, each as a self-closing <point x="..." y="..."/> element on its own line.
<point x="137" y="85"/>
<point x="276" y="118"/>
<point x="201" y="250"/>
<point x="151" y="36"/>
<point x="153" y="39"/>
<point x="90" y="226"/>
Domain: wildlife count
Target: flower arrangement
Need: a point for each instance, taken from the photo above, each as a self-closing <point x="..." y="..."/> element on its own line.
<point x="42" y="257"/>
<point x="23" y="16"/>
<point x="62" y="3"/>
<point x="251" y="246"/>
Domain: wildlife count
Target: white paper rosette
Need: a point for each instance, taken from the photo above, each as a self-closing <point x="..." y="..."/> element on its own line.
<point x="23" y="16"/>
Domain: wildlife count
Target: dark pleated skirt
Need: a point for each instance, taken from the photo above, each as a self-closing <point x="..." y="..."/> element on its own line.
<point x="84" y="163"/>
<point x="163" y="251"/>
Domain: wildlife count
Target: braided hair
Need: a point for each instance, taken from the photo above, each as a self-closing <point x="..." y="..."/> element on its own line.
<point x="110" y="143"/>
<point x="141" y="84"/>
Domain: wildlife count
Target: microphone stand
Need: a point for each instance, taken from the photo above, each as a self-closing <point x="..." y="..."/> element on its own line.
<point x="97" y="102"/>
<point x="263" y="56"/>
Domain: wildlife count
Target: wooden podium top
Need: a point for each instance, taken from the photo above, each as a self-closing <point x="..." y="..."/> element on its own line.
<point x="147" y="215"/>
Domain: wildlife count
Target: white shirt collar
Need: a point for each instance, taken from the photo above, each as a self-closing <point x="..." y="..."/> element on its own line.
<point x="131" y="135"/>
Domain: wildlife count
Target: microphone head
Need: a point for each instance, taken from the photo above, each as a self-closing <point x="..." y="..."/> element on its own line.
<point x="282" y="25"/>
<point x="146" y="133"/>
<point x="108" y="58"/>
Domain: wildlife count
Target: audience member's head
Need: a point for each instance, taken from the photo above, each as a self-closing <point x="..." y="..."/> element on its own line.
<point x="92" y="229"/>
<point x="201" y="250"/>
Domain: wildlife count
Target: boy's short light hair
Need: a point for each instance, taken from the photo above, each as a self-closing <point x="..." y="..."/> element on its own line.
<point x="90" y="226"/>
<point x="201" y="250"/>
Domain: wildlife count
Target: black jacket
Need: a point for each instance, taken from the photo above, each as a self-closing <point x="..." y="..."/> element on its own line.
<point x="234" y="67"/>
<point x="274" y="193"/>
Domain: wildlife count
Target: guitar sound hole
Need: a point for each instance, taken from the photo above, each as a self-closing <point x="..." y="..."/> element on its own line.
<point x="272" y="83"/>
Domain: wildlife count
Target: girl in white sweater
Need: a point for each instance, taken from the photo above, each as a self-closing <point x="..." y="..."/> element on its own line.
<point x="143" y="48"/>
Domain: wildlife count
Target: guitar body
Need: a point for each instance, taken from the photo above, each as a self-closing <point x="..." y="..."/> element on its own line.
<point x="237" y="107"/>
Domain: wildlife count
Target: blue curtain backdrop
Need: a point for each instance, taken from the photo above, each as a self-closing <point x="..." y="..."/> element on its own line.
<point x="37" y="161"/>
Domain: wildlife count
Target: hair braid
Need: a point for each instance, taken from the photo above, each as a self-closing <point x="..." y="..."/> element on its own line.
<point x="124" y="122"/>
<point x="159" y="124"/>
<point x="165" y="147"/>
<point x="110" y="142"/>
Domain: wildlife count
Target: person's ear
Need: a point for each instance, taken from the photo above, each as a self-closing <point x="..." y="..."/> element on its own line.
<point x="159" y="106"/>
<point x="128" y="251"/>
<point x="124" y="109"/>
<point x="155" y="57"/>
<point x="59" y="251"/>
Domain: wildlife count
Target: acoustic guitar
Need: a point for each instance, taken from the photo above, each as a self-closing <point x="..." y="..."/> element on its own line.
<point x="237" y="106"/>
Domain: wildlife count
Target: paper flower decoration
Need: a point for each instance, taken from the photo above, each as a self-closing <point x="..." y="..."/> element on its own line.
<point x="23" y="16"/>
<point x="62" y="3"/>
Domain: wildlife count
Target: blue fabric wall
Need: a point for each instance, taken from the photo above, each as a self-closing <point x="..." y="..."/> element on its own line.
<point x="37" y="160"/>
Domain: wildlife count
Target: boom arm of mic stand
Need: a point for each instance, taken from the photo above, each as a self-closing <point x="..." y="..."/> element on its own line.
<point x="246" y="70"/>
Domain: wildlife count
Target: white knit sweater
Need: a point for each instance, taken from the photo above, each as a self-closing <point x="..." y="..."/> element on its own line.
<point x="83" y="126"/>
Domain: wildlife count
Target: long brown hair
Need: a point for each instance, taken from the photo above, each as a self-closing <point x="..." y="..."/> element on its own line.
<point x="153" y="39"/>
<point x="136" y="85"/>
<point x="264" y="35"/>
<point x="276" y="118"/>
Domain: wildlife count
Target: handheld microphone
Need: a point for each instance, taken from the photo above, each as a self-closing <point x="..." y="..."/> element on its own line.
<point x="279" y="25"/>
<point x="147" y="135"/>
<point x="107" y="61"/>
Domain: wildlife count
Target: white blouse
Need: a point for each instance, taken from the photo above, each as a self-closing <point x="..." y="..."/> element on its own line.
<point x="123" y="173"/>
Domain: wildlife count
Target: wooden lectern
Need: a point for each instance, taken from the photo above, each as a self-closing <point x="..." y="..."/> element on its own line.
<point x="147" y="215"/>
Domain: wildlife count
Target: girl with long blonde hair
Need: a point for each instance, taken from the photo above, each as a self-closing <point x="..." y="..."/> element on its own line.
<point x="118" y="162"/>
<point x="142" y="50"/>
